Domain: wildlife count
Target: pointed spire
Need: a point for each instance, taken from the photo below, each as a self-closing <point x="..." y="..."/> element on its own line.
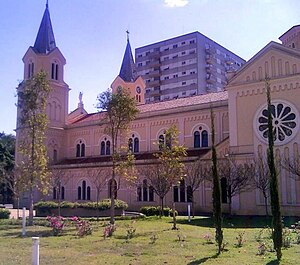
<point x="127" y="71"/>
<point x="45" y="41"/>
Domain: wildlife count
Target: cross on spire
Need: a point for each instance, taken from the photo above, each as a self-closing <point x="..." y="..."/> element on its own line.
<point x="127" y="31"/>
<point x="47" y="4"/>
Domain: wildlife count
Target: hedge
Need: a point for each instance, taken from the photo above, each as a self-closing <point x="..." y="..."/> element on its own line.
<point x="102" y="205"/>
<point x="4" y="213"/>
<point x="154" y="210"/>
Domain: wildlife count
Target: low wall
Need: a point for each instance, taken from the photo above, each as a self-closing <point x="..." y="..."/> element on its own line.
<point x="80" y="212"/>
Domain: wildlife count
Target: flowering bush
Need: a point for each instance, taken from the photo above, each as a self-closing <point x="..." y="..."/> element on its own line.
<point x="262" y="248"/>
<point x="83" y="227"/>
<point x="56" y="223"/>
<point x="208" y="238"/>
<point x="109" y="230"/>
<point x="130" y="230"/>
<point x="240" y="239"/>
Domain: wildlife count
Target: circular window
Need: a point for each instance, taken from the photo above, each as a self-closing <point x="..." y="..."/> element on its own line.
<point x="284" y="120"/>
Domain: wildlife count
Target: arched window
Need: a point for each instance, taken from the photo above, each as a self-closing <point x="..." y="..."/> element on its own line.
<point x="134" y="144"/>
<point x="161" y="141"/>
<point x="182" y="190"/>
<point x="224" y="190"/>
<point x="83" y="191"/>
<point x="62" y="193"/>
<point x="54" y="71"/>
<point x="112" y="188"/>
<point x="200" y="137"/>
<point x="80" y="149"/>
<point x="54" y="155"/>
<point x="79" y="193"/>
<point x="196" y="139"/>
<point x="54" y="193"/>
<point x="88" y="193"/>
<point x="105" y="147"/>
<point x="30" y="69"/>
<point x="182" y="193"/>
<point x="145" y="192"/>
<point x="204" y="138"/>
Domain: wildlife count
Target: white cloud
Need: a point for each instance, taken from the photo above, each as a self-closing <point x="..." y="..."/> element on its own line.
<point x="176" y="3"/>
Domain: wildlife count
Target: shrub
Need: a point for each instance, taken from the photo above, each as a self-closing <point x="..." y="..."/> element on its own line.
<point x="130" y="229"/>
<point x="56" y="223"/>
<point x="45" y="206"/>
<point x="208" y="238"/>
<point x="154" y="210"/>
<point x="262" y="248"/>
<point x="240" y="239"/>
<point x="83" y="227"/>
<point x="4" y="213"/>
<point x="286" y="238"/>
<point x="109" y="230"/>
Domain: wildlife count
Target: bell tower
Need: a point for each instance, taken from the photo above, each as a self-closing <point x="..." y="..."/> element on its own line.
<point x="45" y="55"/>
<point x="127" y="77"/>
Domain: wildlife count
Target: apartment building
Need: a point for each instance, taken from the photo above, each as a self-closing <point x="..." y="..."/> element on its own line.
<point x="184" y="66"/>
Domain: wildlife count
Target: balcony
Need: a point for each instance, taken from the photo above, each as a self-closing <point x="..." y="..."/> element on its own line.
<point x="154" y="55"/>
<point x="154" y="73"/>
<point x="153" y="83"/>
<point x="154" y="63"/>
<point x="209" y="59"/>
<point x="210" y="79"/>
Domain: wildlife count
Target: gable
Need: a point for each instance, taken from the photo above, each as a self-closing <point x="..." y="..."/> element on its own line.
<point x="274" y="61"/>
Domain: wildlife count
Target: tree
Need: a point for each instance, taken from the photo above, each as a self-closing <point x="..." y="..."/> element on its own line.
<point x="238" y="178"/>
<point x="293" y="166"/>
<point x="196" y="172"/>
<point x="216" y="194"/>
<point x="120" y="109"/>
<point x="99" y="177"/>
<point x="59" y="180"/>
<point x="262" y="179"/>
<point x="7" y="162"/>
<point x="169" y="168"/>
<point x="274" y="193"/>
<point x="32" y="165"/>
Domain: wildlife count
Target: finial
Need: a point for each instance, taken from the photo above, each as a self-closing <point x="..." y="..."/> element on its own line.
<point x="47" y="4"/>
<point x="127" y="31"/>
<point x="80" y="97"/>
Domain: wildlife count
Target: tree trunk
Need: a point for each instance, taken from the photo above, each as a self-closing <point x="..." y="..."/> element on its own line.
<point x="30" y="220"/>
<point x="161" y="207"/>
<point x="266" y="205"/>
<point x="59" y="187"/>
<point x="18" y="208"/>
<point x="229" y="205"/>
<point x="193" y="205"/>
<point x="174" y="217"/>
<point x="112" y="194"/>
<point x="97" y="203"/>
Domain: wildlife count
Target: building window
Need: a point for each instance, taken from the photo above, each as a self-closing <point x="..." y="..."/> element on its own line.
<point x="182" y="53"/>
<point x="105" y="147"/>
<point x="54" y="155"/>
<point x="140" y="55"/>
<point x="200" y="138"/>
<point x="192" y="41"/>
<point x="182" y="43"/>
<point x="83" y="191"/>
<point x="224" y="190"/>
<point x="140" y="64"/>
<point x="183" y="83"/>
<point x="112" y="188"/>
<point x="182" y="193"/>
<point x="166" y="77"/>
<point x="175" y="46"/>
<point x="54" y="71"/>
<point x="145" y="192"/>
<point x="183" y="63"/>
<point x="175" y="76"/>
<point x="183" y="73"/>
<point x="164" y="141"/>
<point x="147" y="53"/>
<point x="30" y="69"/>
<point x="134" y="144"/>
<point x="80" y="149"/>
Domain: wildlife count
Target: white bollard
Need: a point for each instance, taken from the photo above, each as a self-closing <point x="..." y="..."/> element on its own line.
<point x="189" y="213"/>
<point x="24" y="222"/>
<point x="35" y="251"/>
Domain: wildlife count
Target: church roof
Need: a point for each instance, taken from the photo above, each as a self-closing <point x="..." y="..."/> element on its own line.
<point x="45" y="41"/>
<point x="127" y="71"/>
<point x="155" y="108"/>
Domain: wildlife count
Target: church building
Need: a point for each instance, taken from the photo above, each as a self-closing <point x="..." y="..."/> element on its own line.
<point x="78" y="146"/>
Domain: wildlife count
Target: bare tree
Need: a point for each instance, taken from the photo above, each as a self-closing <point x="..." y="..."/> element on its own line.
<point x="99" y="177"/>
<point x="239" y="178"/>
<point x="262" y="179"/>
<point x="196" y="172"/>
<point x="59" y="179"/>
<point x="293" y="166"/>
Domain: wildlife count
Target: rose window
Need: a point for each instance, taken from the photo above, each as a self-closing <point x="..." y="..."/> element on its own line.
<point x="284" y="120"/>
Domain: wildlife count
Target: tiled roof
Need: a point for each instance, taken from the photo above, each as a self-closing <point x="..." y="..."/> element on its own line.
<point x="165" y="105"/>
<point x="191" y="153"/>
<point x="127" y="71"/>
<point x="45" y="41"/>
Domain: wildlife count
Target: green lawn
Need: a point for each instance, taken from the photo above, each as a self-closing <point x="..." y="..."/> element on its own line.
<point x="184" y="246"/>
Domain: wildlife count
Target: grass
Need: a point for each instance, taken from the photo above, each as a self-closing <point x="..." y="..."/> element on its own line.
<point x="186" y="245"/>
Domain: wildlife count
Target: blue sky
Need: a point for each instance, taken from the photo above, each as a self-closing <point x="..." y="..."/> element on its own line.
<point x="91" y="35"/>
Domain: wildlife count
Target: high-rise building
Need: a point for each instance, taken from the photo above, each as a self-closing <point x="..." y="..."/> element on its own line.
<point x="184" y="66"/>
